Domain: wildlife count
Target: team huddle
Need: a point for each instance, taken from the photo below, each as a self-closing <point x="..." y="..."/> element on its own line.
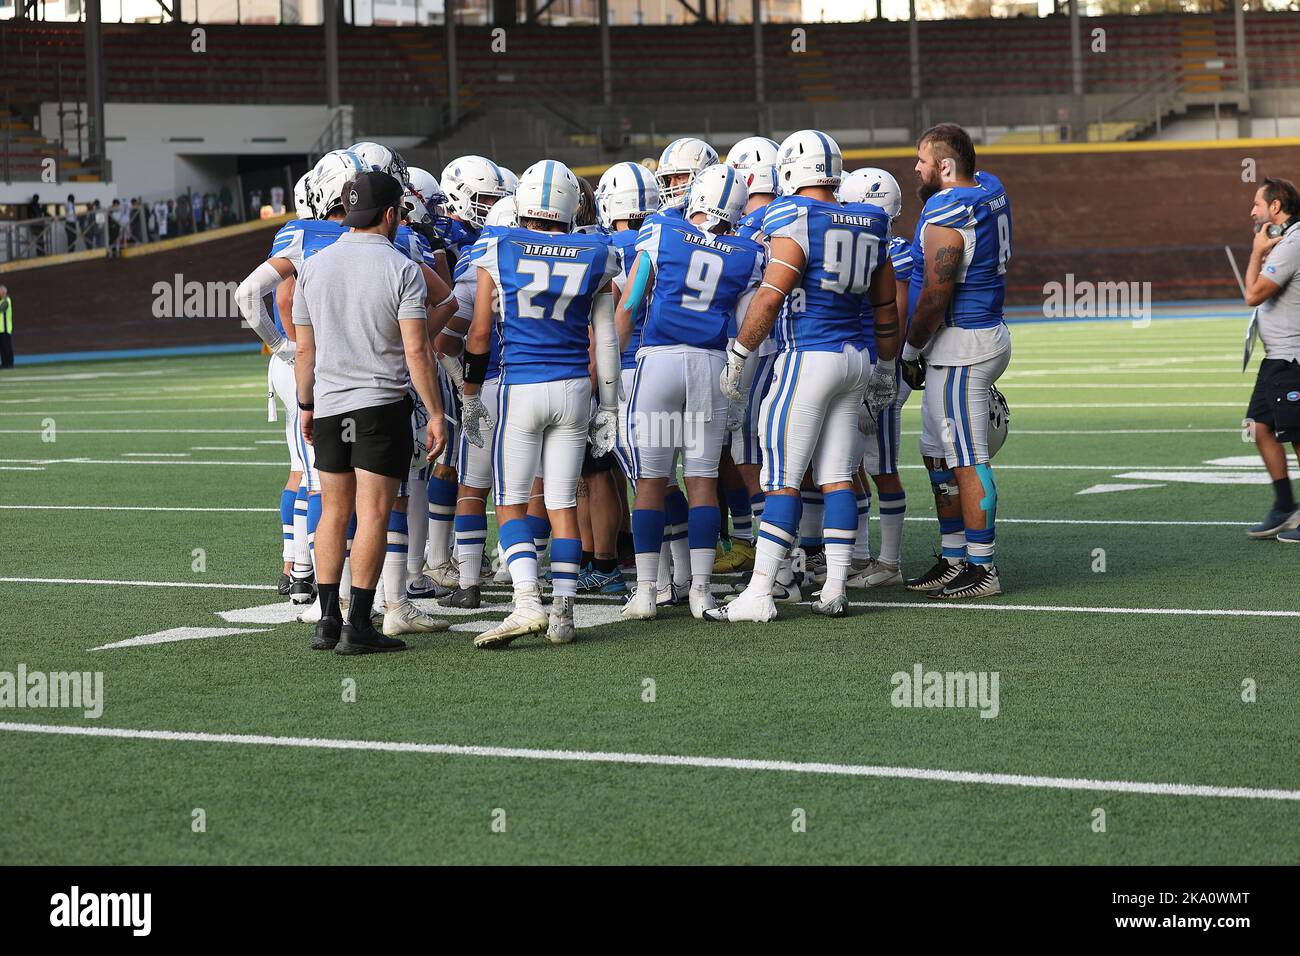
<point x="729" y="337"/>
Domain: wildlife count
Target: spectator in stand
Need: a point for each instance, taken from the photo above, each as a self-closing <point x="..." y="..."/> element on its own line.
<point x="114" y="227"/>
<point x="70" y="225"/>
<point x="172" y="227"/>
<point x="139" y="227"/>
<point x="37" y="229"/>
<point x="228" y="217"/>
<point x="184" y="215"/>
<point x="198" y="212"/>
<point x="96" y="219"/>
<point x="160" y="218"/>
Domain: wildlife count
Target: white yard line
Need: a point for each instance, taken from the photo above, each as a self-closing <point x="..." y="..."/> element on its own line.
<point x="79" y="412"/>
<point x="140" y="508"/>
<point x="143" y="584"/>
<point x="669" y="760"/>
<point x="150" y="431"/>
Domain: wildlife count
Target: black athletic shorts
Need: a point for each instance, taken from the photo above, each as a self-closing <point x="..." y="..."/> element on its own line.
<point x="377" y="439"/>
<point x="1276" y="399"/>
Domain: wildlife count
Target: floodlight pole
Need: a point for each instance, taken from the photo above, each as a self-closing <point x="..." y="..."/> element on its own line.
<point x="332" y="53"/>
<point x="95" y="87"/>
<point x="606" y="76"/>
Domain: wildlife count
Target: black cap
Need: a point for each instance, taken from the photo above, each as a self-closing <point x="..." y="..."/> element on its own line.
<point x="367" y="196"/>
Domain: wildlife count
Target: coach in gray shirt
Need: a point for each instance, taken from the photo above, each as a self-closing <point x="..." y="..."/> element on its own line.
<point x="1273" y="286"/>
<point x="359" y="310"/>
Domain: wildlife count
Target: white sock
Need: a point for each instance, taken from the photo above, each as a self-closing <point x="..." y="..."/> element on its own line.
<point x="417" y="530"/>
<point x="702" y="566"/>
<point x="682" y="559"/>
<point x="862" y="543"/>
<point x="892" y="513"/>
<point x="664" y="576"/>
<point x="648" y="568"/>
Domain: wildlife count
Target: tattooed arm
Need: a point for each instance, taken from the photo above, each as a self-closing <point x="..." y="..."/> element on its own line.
<point x="943" y="256"/>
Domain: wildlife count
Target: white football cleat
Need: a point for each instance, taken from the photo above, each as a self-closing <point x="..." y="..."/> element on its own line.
<point x="528" y="617"/>
<point x="405" y="618"/>
<point x="447" y="574"/>
<point x="701" y="600"/>
<point x="381" y="597"/>
<point x="876" y="574"/>
<point x="502" y="575"/>
<point x="786" y="593"/>
<point x="641" y="606"/>
<point x="313" y="613"/>
<point x="835" y="607"/>
<point x="669" y="596"/>
<point x="560" y="630"/>
<point x="747" y="606"/>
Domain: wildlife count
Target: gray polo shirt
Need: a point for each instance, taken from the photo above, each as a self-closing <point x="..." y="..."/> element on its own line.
<point x="353" y="294"/>
<point x="1279" y="317"/>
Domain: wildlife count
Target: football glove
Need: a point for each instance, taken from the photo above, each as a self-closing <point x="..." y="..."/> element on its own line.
<point x="866" y="420"/>
<point x="286" y="351"/>
<point x="730" y="380"/>
<point x="882" y="387"/>
<point x="603" y="432"/>
<point x="735" y="416"/>
<point x="474" y="418"/>
<point x="913" y="366"/>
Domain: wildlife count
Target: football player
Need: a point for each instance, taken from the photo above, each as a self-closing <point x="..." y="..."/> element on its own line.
<point x="878" y="188"/>
<point x="958" y="344"/>
<point x="551" y="286"/>
<point x="679" y="164"/>
<point x="825" y="260"/>
<point x="696" y="278"/>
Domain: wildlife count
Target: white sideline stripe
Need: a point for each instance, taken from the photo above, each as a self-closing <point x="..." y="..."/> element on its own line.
<point x="1244" y="386"/>
<point x="1077" y="609"/>
<point x="19" y="468"/>
<point x="145" y="584"/>
<point x="909" y="407"/>
<point x="670" y="760"/>
<point x="251" y="410"/>
<point x="155" y="454"/>
<point x="222" y="448"/>
<point x="131" y="507"/>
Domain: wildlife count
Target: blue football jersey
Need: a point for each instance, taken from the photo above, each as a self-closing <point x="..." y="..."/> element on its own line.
<point x="982" y="214"/>
<point x="751" y="224"/>
<point x="458" y="235"/>
<point x="900" y="256"/>
<point x="699" y="277"/>
<point x="465" y="288"/>
<point x="546" y="282"/>
<point x="298" y="240"/>
<point x="625" y="248"/>
<point x="414" y="246"/>
<point x="842" y="245"/>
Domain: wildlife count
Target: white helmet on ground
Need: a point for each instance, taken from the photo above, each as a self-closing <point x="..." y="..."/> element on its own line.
<point x="503" y="213"/>
<point x="380" y="158"/>
<point x="754" y="157"/>
<point x="999" y="420"/>
<point x="874" y="186"/>
<point x="301" y="202"/>
<point x="808" y="158"/>
<point x="548" y="190"/>
<point x="423" y="199"/>
<point x="682" y="157"/>
<point x="626" y="191"/>
<point x="335" y="170"/>
<point x="472" y="185"/>
<point x="720" y="193"/>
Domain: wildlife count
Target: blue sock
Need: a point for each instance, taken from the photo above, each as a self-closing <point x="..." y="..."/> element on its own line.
<point x="742" y="517"/>
<point x="471" y="536"/>
<point x="647" y="538"/>
<point x="314" y="508"/>
<point x="675" y="512"/>
<point x="812" y="519"/>
<point x="704" y="523"/>
<point x="566" y="556"/>
<point x="541" y="532"/>
<point x="442" y="514"/>
<point x="516" y="540"/>
<point x="979" y="542"/>
<point x="776" y="535"/>
<point x="287" y="500"/>
<point x="841" y="530"/>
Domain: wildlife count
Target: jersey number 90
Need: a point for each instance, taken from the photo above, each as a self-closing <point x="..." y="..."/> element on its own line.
<point x="848" y="259"/>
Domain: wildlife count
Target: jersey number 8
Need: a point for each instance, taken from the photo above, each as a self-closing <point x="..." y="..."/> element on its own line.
<point x="540" y="272"/>
<point x="848" y="259"/>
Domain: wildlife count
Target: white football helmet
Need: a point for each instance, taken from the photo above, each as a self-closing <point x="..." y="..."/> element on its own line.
<point x="511" y="180"/>
<point x="720" y="193"/>
<point x="999" y="420"/>
<point x="626" y="191"/>
<point x="687" y="157"/>
<point x="472" y="185"/>
<point x="808" y="158"/>
<point x="382" y="159"/>
<point x="301" y="202"/>
<point x="755" y="159"/>
<point x="503" y="213"/>
<point x="422" y="198"/>
<point x="548" y="190"/>
<point x="874" y="186"/>
<point x="334" y="171"/>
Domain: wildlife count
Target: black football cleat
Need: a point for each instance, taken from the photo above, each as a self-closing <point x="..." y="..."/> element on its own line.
<point x="463" y="597"/>
<point x="284" y="584"/>
<point x="364" y="639"/>
<point x="326" y="637"/>
<point x="939" y="574"/>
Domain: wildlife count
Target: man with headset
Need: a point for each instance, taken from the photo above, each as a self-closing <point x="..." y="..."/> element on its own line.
<point x="1273" y="288"/>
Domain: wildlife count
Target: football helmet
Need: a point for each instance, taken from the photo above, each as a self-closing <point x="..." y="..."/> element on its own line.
<point x="686" y="156"/>
<point x="382" y="159"/>
<point x="503" y="213"/>
<point x="874" y="186"/>
<point x="755" y="159"/>
<point x="999" y="420"/>
<point x="626" y="191"/>
<point x="422" y="198"/>
<point x="808" y="158"/>
<point x="472" y="184"/>
<point x="511" y="180"/>
<point x="720" y="193"/>
<point x="301" y="202"/>
<point x="548" y="190"/>
<point x="334" y="171"/>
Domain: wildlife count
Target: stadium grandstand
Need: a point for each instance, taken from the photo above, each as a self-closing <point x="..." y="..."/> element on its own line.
<point x="222" y="105"/>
